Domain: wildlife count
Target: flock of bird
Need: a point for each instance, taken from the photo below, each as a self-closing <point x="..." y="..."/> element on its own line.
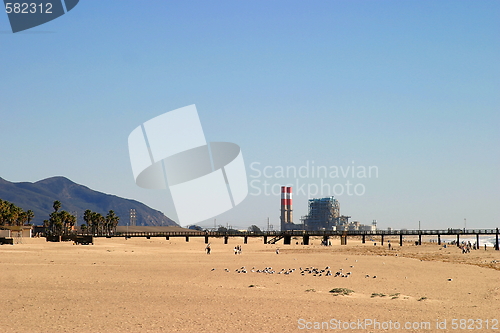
<point x="313" y="271"/>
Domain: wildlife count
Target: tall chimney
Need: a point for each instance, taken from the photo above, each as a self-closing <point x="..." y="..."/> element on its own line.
<point x="283" y="208"/>
<point x="289" y="205"/>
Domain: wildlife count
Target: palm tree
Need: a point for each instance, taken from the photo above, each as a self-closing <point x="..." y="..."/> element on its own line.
<point x="99" y="221"/>
<point x="21" y="218"/>
<point x="71" y="221"/>
<point x="46" y="226"/>
<point x="111" y="221"/>
<point x="87" y="217"/>
<point x="55" y="223"/>
<point x="63" y="217"/>
<point x="3" y="212"/>
<point x="56" y="205"/>
<point x="60" y="223"/>
<point x="14" y="215"/>
<point x="30" y="215"/>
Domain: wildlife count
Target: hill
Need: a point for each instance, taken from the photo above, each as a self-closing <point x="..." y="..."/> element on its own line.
<point x="39" y="197"/>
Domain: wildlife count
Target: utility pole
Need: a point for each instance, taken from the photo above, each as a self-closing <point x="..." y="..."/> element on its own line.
<point x="465" y="224"/>
<point x="418" y="225"/>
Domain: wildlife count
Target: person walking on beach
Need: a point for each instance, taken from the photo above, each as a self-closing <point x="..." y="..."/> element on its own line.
<point x="235" y="250"/>
<point x="208" y="249"/>
<point x="277" y="251"/>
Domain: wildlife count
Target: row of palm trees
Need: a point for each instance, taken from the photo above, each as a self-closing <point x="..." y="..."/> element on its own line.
<point x="11" y="215"/>
<point x="95" y="223"/>
<point x="60" y="222"/>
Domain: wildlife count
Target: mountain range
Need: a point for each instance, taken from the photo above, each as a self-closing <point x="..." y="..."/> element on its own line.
<point x="39" y="197"/>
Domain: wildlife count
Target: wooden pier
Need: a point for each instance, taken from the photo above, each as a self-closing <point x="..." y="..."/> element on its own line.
<point x="272" y="237"/>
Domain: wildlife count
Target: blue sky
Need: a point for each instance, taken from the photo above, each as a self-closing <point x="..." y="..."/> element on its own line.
<point x="411" y="87"/>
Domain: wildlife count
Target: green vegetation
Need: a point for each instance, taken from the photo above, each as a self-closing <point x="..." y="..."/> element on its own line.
<point x="310" y="290"/>
<point x="11" y="215"/>
<point x="254" y="229"/>
<point x="394" y="296"/>
<point x="341" y="291"/>
<point x="98" y="224"/>
<point x="59" y="222"/>
<point x="378" y="294"/>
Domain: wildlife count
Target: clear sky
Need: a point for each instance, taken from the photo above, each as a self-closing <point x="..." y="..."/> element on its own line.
<point x="409" y="87"/>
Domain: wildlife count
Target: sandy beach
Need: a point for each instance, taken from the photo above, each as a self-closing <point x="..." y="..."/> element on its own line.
<point x="159" y="285"/>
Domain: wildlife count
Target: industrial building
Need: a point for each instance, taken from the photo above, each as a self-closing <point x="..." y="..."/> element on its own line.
<point x="324" y="214"/>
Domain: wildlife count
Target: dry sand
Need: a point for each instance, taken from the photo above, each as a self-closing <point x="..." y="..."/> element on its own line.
<point x="158" y="285"/>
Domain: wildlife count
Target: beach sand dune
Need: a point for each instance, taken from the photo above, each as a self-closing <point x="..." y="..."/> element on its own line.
<point x="158" y="285"/>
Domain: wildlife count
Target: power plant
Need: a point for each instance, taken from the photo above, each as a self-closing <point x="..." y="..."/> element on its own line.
<point x="324" y="214"/>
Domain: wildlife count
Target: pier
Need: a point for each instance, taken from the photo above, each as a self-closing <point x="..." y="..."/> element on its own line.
<point x="272" y="237"/>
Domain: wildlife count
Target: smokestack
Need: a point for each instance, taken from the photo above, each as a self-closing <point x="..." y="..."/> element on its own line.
<point x="289" y="205"/>
<point x="283" y="208"/>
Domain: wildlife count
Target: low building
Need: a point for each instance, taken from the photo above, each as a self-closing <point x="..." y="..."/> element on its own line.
<point x="367" y="227"/>
<point x="16" y="231"/>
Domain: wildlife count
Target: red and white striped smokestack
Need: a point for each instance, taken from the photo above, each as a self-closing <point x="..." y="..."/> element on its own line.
<point x="284" y="215"/>
<point x="289" y="216"/>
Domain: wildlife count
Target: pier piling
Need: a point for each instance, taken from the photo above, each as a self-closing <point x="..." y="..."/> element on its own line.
<point x="496" y="243"/>
<point x="287" y="239"/>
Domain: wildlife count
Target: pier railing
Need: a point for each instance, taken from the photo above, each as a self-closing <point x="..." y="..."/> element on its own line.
<point x="299" y="233"/>
<point x="271" y="237"/>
